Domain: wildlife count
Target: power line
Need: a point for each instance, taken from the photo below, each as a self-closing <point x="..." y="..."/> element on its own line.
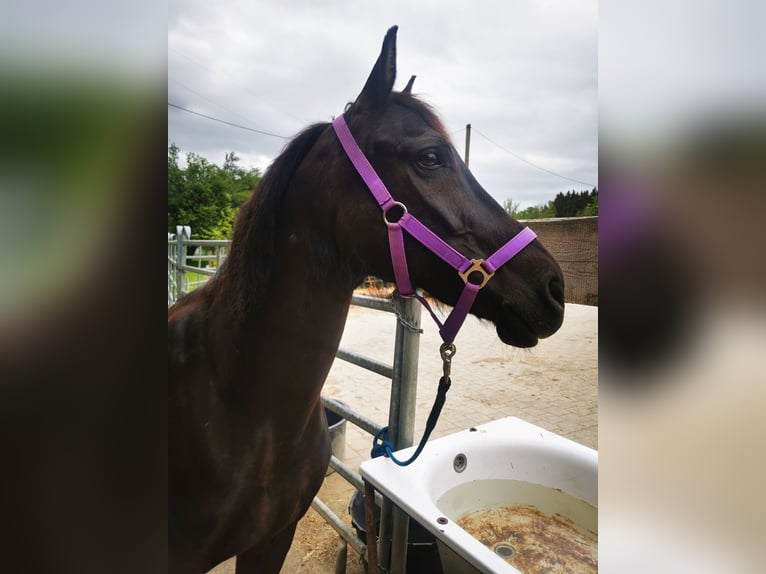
<point x="227" y="123"/>
<point x="249" y="91"/>
<point x="517" y="156"/>
<point x="204" y="97"/>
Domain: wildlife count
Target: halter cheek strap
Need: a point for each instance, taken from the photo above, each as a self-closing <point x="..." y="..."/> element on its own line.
<point x="397" y="218"/>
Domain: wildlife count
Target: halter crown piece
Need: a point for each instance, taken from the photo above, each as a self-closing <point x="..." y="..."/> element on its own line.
<point x="464" y="266"/>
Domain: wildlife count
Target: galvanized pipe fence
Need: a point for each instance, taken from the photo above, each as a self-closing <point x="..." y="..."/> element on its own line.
<point x="394" y="524"/>
<point x="180" y="272"/>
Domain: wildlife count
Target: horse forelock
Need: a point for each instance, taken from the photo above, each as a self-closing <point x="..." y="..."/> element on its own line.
<point x="424" y="110"/>
<point x="411" y="102"/>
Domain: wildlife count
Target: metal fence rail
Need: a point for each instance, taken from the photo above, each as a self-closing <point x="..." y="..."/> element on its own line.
<point x="209" y="252"/>
<point x="394" y="524"/>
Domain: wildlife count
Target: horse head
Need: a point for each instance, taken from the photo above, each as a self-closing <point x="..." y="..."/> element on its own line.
<point x="410" y="150"/>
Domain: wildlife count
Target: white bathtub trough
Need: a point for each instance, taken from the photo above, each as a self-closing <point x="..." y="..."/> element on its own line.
<point x="507" y="496"/>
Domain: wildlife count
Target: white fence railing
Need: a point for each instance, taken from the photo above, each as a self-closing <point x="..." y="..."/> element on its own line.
<point x="191" y="262"/>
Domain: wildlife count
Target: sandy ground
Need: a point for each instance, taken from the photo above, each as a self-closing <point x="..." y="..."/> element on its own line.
<point x="553" y="385"/>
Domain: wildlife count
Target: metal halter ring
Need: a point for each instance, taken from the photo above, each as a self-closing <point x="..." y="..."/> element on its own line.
<point x="476" y="266"/>
<point x="389" y="207"/>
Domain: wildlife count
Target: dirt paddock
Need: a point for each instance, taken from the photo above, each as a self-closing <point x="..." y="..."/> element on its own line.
<point x="554" y="385"/>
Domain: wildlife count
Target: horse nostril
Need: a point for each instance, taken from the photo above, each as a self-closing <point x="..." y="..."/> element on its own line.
<point x="556" y="290"/>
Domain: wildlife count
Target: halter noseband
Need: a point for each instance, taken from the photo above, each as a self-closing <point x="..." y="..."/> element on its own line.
<point x="465" y="267"/>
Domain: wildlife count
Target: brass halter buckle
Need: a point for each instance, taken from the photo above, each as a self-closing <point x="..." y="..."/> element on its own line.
<point x="476" y="266"/>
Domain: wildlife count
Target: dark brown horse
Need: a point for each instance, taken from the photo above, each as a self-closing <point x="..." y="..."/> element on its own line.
<point x="249" y="351"/>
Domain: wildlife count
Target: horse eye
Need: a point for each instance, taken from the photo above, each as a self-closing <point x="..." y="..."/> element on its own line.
<point x="429" y="159"/>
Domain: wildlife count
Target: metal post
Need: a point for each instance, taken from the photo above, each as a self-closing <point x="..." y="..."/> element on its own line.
<point x="340" y="527"/>
<point x="405" y="379"/>
<point x="340" y="557"/>
<point x="401" y="423"/>
<point x="467" y="143"/>
<point x="172" y="250"/>
<point x="183" y="232"/>
<point x="369" y="521"/>
<point x="401" y="536"/>
<point x="384" y="539"/>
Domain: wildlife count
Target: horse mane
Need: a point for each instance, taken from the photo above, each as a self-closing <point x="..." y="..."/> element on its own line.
<point x="246" y="272"/>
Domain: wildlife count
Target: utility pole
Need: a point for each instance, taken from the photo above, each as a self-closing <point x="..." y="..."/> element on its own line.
<point x="467" y="143"/>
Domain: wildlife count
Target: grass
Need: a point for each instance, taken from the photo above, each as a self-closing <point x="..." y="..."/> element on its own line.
<point x="193" y="276"/>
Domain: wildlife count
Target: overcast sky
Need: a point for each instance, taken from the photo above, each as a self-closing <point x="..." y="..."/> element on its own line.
<point x="523" y="73"/>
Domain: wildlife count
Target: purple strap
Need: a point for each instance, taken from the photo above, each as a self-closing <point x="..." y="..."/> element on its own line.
<point x="452" y="325"/>
<point x="399" y="260"/>
<point x="429" y="239"/>
<point x="509" y="250"/>
<point x="357" y="157"/>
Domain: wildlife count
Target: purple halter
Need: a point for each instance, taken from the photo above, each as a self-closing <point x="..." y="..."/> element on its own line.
<point x="464" y="266"/>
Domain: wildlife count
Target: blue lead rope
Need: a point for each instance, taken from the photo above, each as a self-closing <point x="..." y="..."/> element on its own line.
<point x="382" y="447"/>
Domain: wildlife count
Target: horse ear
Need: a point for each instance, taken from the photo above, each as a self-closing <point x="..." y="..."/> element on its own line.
<point x="381" y="80"/>
<point x="408" y="88"/>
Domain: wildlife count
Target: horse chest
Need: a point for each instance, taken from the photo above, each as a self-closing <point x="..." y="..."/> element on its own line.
<point x="264" y="483"/>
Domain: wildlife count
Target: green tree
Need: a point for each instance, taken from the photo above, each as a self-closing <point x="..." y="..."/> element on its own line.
<point x="512" y="207"/>
<point x="175" y="187"/>
<point x="592" y="207"/>
<point x="541" y="211"/>
<point x="573" y="203"/>
<point x="241" y="181"/>
<point x="206" y="196"/>
<point x="569" y="204"/>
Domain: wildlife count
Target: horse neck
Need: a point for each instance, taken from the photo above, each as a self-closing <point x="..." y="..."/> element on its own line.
<point x="288" y="343"/>
<point x="305" y="307"/>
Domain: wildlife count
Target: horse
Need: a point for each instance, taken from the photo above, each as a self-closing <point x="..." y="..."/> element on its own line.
<point x="249" y="351"/>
